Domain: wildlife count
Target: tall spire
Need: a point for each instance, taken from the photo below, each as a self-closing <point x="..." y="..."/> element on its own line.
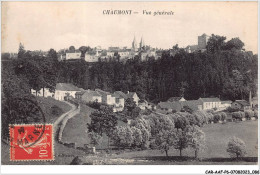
<point x="142" y="42"/>
<point x="134" y="44"/>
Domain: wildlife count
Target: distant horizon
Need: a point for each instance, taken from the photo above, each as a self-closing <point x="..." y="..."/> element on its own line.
<point x="59" y="25"/>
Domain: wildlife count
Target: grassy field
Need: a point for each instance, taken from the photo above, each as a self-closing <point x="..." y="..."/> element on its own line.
<point x="76" y="127"/>
<point x="217" y="136"/>
<point x="46" y="105"/>
<point x="76" y="130"/>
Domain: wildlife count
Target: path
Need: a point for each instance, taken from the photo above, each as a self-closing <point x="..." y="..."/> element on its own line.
<point x="61" y="122"/>
<point x="57" y="122"/>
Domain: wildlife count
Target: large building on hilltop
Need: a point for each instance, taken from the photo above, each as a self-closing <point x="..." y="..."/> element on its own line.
<point x="202" y="43"/>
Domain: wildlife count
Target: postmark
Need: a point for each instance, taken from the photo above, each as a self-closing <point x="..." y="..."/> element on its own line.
<point x="30" y="142"/>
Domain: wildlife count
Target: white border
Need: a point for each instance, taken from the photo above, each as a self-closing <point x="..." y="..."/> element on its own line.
<point x="128" y="169"/>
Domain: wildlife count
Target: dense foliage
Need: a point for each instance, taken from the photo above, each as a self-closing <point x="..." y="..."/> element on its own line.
<point x="224" y="70"/>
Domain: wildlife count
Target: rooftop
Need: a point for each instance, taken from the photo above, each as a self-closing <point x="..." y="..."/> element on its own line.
<point x="66" y="87"/>
<point x="120" y="94"/>
<point x="210" y="99"/>
<point x="243" y="102"/>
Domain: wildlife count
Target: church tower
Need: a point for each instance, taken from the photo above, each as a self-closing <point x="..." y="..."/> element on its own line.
<point x="134" y="45"/>
<point x="142" y="43"/>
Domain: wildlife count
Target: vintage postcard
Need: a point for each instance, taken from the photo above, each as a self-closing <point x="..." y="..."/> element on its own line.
<point x="130" y="83"/>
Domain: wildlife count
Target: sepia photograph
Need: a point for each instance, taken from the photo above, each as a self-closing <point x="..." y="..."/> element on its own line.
<point x="129" y="83"/>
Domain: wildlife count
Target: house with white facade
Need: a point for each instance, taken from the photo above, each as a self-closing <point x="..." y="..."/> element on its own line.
<point x="65" y="89"/>
<point x="107" y="97"/>
<point x="73" y="56"/>
<point x="210" y="103"/>
<point x="89" y="96"/>
<point x="44" y="92"/>
<point x="134" y="96"/>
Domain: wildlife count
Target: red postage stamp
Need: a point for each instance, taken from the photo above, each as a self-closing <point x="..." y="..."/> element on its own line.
<point x="31" y="142"/>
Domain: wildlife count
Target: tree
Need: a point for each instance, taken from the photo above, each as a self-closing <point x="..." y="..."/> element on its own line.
<point x="223" y="116"/>
<point x="187" y="109"/>
<point x="196" y="139"/>
<point x="215" y="43"/>
<point x="103" y="121"/>
<point x="181" y="122"/>
<point x="95" y="138"/>
<point x="130" y="109"/>
<point x="181" y="140"/>
<point x="123" y="136"/>
<point x="137" y="135"/>
<point x="184" y="85"/>
<point x="234" y="43"/>
<point x="52" y="54"/>
<point x="21" y="51"/>
<point x="72" y="49"/>
<point x="236" y="147"/>
<point x="145" y="129"/>
<point x="83" y="50"/>
<point x="164" y="140"/>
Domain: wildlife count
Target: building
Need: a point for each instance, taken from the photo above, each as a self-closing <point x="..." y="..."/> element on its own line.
<point x="61" y="57"/>
<point x="119" y="103"/>
<point x="241" y="105"/>
<point x="225" y="104"/>
<point x="210" y="103"/>
<point x="134" y="96"/>
<point x="91" y="57"/>
<point x="202" y="42"/>
<point x="65" y="89"/>
<point x="124" y="53"/>
<point x="134" y="46"/>
<point x="142" y="44"/>
<point x="191" y="48"/>
<point x="192" y="104"/>
<point x="170" y="106"/>
<point x="107" y="98"/>
<point x="89" y="96"/>
<point x="73" y="56"/>
<point x="44" y="92"/>
<point x="176" y="99"/>
<point x="255" y="102"/>
<point x="177" y="106"/>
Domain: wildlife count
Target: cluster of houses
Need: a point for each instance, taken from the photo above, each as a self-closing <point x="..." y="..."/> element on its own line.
<point x="179" y="103"/>
<point x="117" y="99"/>
<point x="124" y="53"/>
<point x="65" y="90"/>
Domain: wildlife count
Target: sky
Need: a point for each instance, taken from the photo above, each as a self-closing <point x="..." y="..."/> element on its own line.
<point x="59" y="25"/>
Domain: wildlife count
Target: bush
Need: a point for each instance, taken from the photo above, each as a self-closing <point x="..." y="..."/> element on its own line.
<point x="216" y="118"/>
<point x="192" y="119"/>
<point x="223" y="116"/>
<point x="236" y="147"/>
<point x="202" y="117"/>
<point x="249" y="114"/>
<point x="256" y="114"/>
<point x="94" y="105"/>
<point x="237" y="116"/>
<point x="230" y="110"/>
<point x="242" y="114"/>
<point x="210" y="117"/>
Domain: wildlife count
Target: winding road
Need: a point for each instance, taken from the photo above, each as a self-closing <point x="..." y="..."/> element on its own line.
<point x="60" y="123"/>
